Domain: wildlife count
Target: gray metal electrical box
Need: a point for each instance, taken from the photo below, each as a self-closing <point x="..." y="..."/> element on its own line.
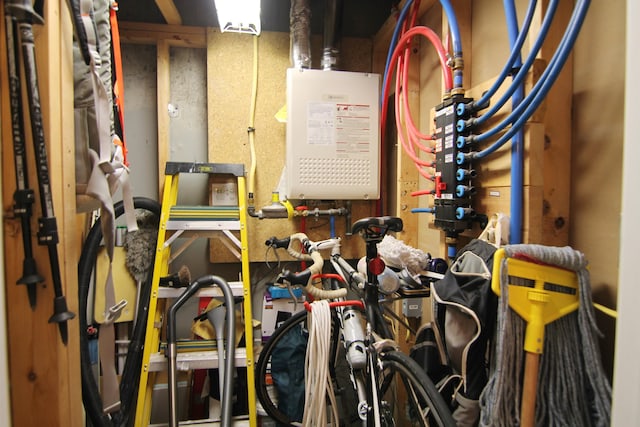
<point x="412" y="307"/>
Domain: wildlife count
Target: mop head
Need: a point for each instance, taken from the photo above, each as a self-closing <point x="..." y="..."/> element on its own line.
<point x="140" y="246"/>
<point x="398" y="254"/>
<point x="573" y="389"/>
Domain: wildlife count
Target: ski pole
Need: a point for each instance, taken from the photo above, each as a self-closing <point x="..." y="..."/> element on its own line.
<point x="47" y="234"/>
<point x="23" y="196"/>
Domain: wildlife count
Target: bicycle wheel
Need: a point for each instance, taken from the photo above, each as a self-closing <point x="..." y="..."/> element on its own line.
<point x="279" y="374"/>
<point x="407" y="396"/>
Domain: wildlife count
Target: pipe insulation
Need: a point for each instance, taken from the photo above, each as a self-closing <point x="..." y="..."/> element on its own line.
<point x="300" y="27"/>
<point x="332" y="32"/>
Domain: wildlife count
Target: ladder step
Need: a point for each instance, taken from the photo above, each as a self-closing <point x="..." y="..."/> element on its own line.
<point x="213" y="291"/>
<point x="204" y="218"/>
<point x="236" y="422"/>
<point x="190" y="345"/>
<point x="195" y="360"/>
<point x="203" y="213"/>
<point x="203" y="225"/>
<point x="174" y="168"/>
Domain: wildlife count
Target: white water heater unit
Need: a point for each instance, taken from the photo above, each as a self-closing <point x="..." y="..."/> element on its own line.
<point x="333" y="135"/>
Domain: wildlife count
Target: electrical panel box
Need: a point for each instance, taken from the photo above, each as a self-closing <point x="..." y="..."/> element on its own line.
<point x="412" y="307"/>
<point x="333" y="135"/>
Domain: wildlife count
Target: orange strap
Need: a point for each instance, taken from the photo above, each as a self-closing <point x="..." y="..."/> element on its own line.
<point x="118" y="87"/>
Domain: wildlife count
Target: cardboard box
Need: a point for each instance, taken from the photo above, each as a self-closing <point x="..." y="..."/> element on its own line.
<point x="277" y="310"/>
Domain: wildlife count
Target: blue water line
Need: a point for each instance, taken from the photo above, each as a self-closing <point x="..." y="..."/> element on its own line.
<point x="517" y="143"/>
<point x="533" y="100"/>
<point x="332" y="226"/>
<point x="394" y="42"/>
<point x="518" y="79"/>
<point x="455" y="40"/>
<point x="544" y="84"/>
<point x="514" y="62"/>
<point x="512" y="26"/>
<point x="423" y="210"/>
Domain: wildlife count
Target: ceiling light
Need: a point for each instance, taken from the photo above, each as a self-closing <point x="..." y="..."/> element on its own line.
<point x="239" y="16"/>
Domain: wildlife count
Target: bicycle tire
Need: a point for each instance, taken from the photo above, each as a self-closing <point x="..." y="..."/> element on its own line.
<point x="393" y="362"/>
<point x="91" y="398"/>
<point x="266" y="392"/>
<point x="424" y="405"/>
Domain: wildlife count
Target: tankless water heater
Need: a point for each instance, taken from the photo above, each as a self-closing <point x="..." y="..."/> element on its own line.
<point x="333" y="136"/>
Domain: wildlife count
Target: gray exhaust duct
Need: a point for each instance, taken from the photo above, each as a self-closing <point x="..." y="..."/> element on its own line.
<point x="300" y="25"/>
<point x="332" y="33"/>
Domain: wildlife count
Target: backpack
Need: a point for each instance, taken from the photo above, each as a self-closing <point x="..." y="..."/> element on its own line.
<point x="453" y="347"/>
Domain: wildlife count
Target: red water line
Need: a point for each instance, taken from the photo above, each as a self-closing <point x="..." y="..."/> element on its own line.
<point x="413" y="129"/>
<point x="397" y="53"/>
<point x="408" y="148"/>
<point x="422" y="193"/>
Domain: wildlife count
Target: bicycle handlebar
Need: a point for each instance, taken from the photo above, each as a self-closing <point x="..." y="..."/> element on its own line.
<point x="274" y="242"/>
<point x="303" y="278"/>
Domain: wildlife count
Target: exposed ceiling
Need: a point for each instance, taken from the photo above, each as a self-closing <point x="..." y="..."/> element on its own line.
<point x="360" y="18"/>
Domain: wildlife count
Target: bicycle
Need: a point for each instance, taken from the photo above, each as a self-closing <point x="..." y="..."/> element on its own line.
<point x="378" y="373"/>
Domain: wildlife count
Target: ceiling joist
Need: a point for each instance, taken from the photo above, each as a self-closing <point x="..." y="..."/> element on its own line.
<point x="169" y="11"/>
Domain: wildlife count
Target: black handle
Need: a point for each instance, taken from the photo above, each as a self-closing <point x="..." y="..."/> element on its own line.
<point x="301" y="278"/>
<point x="274" y="242"/>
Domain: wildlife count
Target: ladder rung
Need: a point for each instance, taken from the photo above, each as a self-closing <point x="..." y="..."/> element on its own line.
<point x="239" y="421"/>
<point x="174" y="168"/>
<point x="213" y="291"/>
<point x="228" y="213"/>
<point x="195" y="360"/>
<point x="184" y="346"/>
<point x="201" y="225"/>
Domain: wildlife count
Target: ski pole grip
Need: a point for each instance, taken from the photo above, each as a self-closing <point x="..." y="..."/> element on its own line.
<point x="23" y="11"/>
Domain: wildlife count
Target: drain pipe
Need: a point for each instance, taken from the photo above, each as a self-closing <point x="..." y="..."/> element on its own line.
<point x="332" y="30"/>
<point x="300" y="27"/>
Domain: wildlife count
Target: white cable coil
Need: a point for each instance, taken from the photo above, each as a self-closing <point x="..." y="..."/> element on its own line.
<point x="317" y="377"/>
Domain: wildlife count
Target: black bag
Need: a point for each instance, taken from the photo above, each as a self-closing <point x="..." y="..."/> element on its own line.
<point x="287" y="371"/>
<point x="464" y="313"/>
<point x="426" y="352"/>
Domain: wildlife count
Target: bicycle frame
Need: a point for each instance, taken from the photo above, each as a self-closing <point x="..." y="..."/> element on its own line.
<point x="362" y="345"/>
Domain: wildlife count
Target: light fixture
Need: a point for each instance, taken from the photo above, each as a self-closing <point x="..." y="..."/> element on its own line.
<point x="239" y="16"/>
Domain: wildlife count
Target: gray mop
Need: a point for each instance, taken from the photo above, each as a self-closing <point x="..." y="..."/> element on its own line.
<point x="140" y="246"/>
<point x="572" y="387"/>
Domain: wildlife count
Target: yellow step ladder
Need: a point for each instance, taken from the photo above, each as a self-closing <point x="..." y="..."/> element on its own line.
<point x="195" y="222"/>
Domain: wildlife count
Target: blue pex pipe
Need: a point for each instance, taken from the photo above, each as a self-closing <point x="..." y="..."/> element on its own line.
<point x="518" y="79"/>
<point x="517" y="143"/>
<point x="332" y="226"/>
<point x="423" y="210"/>
<point x="540" y="90"/>
<point x="455" y="39"/>
<point x="514" y="61"/>
<point x="394" y="41"/>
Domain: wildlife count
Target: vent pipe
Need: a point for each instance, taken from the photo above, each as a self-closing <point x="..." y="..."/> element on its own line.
<point x="332" y="33"/>
<point x="300" y="26"/>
